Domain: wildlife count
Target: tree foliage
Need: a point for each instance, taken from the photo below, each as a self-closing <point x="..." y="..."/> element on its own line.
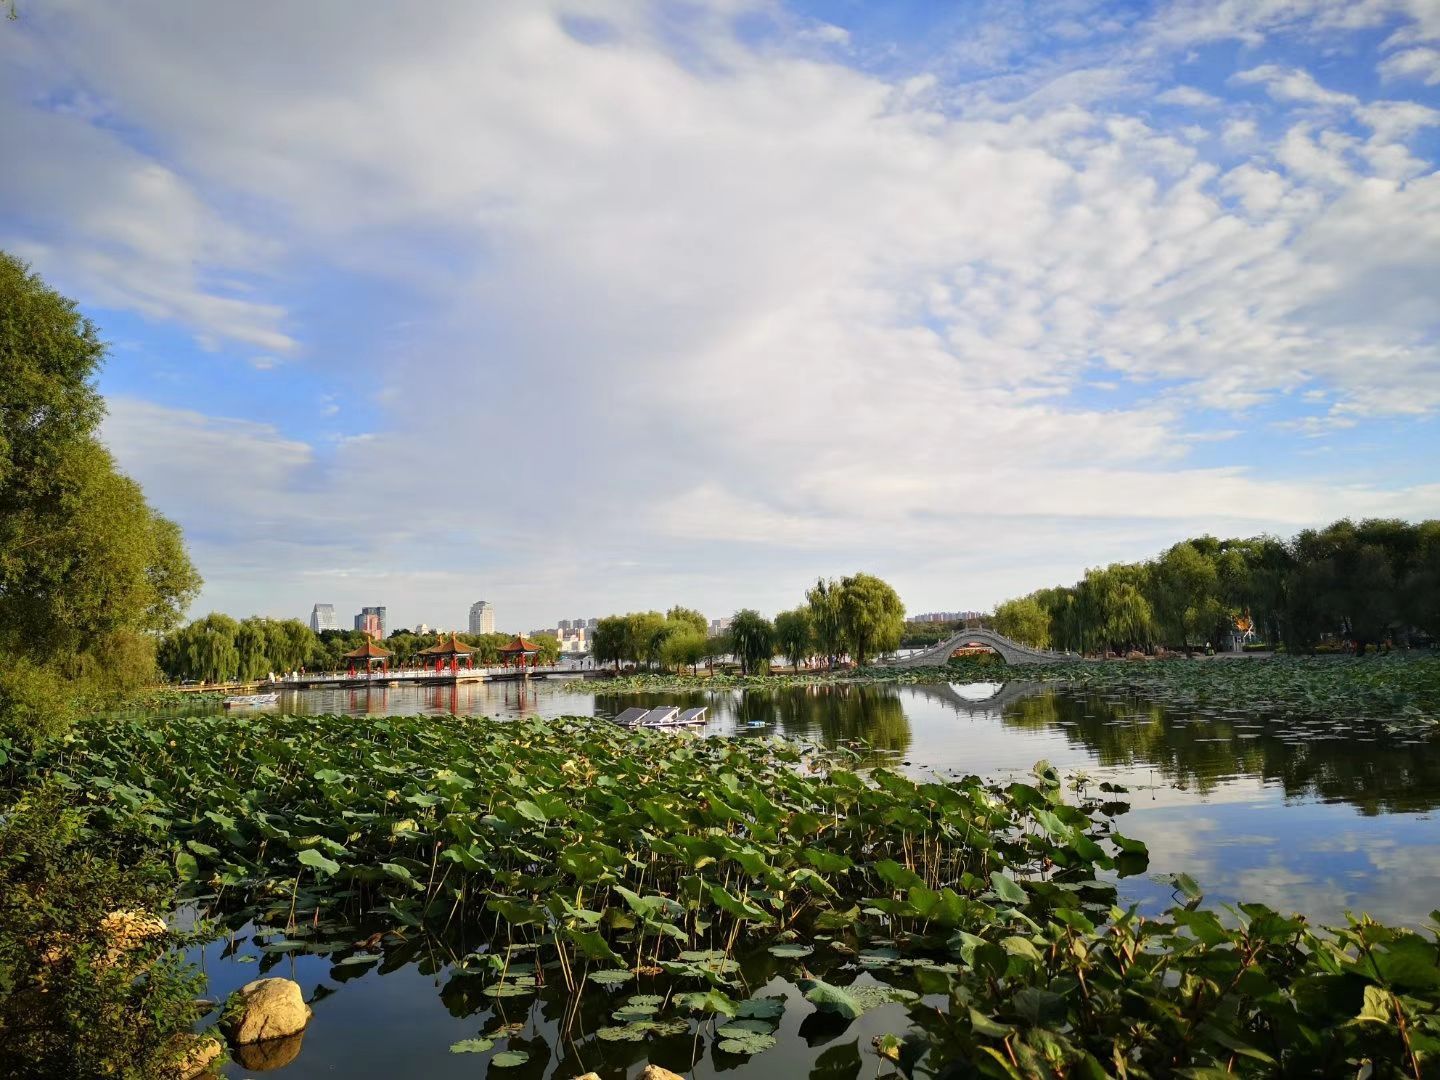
<point x="793" y="636"/>
<point x="650" y="638"/>
<point x="217" y="648"/>
<point x="823" y="601"/>
<point x="89" y="572"/>
<point x="872" y="618"/>
<point x="752" y="638"/>
<point x="686" y="647"/>
<point x="1363" y="583"/>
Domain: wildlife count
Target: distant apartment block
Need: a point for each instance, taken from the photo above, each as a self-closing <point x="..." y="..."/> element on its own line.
<point x="719" y="626"/>
<point x="482" y="617"/>
<point x="322" y="617"/>
<point x="946" y="616"/>
<point x="378" y="613"/>
<point x="573" y="640"/>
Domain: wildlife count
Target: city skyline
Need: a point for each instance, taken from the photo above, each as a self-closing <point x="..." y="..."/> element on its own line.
<point x="971" y="297"/>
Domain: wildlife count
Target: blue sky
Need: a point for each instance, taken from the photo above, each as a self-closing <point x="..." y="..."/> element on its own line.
<point x="591" y="306"/>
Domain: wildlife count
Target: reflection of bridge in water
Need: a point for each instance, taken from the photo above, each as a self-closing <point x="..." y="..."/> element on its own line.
<point x="1007" y="694"/>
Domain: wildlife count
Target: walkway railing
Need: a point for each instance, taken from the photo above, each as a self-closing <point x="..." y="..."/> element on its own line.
<point x="417" y="674"/>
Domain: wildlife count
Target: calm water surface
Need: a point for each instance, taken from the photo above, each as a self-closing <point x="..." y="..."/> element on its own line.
<point x="1312" y="816"/>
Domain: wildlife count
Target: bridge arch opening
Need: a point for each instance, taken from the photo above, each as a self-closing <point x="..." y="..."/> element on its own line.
<point x="978" y="650"/>
<point x="977" y="691"/>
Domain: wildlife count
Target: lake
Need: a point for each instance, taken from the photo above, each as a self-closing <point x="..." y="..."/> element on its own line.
<point x="1313" y="815"/>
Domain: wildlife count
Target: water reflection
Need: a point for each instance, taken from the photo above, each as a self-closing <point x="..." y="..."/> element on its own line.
<point x="870" y="718"/>
<point x="399" y="1015"/>
<point x="995" y="730"/>
<point x="1335" y="762"/>
<point x="1308" y="815"/>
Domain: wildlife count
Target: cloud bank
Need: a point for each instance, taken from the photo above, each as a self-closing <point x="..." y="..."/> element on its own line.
<point x="581" y="307"/>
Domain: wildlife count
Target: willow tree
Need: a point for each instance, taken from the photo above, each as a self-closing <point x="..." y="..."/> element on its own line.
<point x="1024" y="620"/>
<point x="822" y="600"/>
<point x="753" y="639"/>
<point x="608" y="642"/>
<point x="89" y="572"/>
<point x="793" y="635"/>
<point x="872" y="618"/>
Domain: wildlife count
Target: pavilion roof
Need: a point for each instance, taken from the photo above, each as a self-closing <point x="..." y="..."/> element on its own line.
<point x="367" y="651"/>
<point x="521" y="644"/>
<point x="453" y="647"/>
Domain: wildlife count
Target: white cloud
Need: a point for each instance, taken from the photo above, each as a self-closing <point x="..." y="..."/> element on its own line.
<point x="1187" y="96"/>
<point x="1421" y="63"/>
<point x="744" y="298"/>
<point x="141" y="238"/>
<point x="1392" y="120"/>
<point x="1292" y="85"/>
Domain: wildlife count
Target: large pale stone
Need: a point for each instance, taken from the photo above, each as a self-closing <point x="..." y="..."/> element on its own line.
<point x="265" y="1009"/>
<point x="655" y="1072"/>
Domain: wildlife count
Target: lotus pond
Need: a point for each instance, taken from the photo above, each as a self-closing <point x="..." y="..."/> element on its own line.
<point x="547" y="897"/>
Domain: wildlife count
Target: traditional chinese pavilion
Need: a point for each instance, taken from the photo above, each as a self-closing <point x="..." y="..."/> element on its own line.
<point x="521" y="653"/>
<point x="448" y="653"/>
<point x="369" y="654"/>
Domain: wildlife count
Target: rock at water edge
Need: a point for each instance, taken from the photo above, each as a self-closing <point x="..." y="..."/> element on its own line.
<point x="265" y="1009"/>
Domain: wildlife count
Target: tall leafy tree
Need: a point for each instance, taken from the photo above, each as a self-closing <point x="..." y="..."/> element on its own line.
<point x="645" y="634"/>
<point x="872" y="618"/>
<point x="823" y="602"/>
<point x="1188" y="588"/>
<point x="88" y="570"/>
<point x="688" y="618"/>
<point x="793" y="636"/>
<point x="549" y="648"/>
<point x="686" y="647"/>
<point x="1024" y="620"/>
<point x="753" y="639"/>
<point x="608" y="644"/>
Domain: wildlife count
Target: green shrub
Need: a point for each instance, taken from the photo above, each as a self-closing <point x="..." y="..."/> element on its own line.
<point x="71" y="1004"/>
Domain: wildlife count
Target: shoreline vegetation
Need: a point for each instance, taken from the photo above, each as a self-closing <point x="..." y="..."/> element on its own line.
<point x="645" y="873"/>
<point x="1399" y="689"/>
<point x="658" y="878"/>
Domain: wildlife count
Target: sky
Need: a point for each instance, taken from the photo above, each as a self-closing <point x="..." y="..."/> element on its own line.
<point x="596" y="306"/>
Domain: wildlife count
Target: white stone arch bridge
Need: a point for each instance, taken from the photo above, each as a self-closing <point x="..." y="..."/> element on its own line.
<point x="1012" y="651"/>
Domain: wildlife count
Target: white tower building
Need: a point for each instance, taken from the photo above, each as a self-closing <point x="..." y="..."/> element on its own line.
<point x="482" y="617"/>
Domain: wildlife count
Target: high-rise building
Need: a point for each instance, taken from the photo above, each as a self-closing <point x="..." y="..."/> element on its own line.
<point x="591" y="624"/>
<point x="482" y="617"/>
<point x="322" y="617"/>
<point x="564" y="624"/>
<point x="378" y="613"/>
